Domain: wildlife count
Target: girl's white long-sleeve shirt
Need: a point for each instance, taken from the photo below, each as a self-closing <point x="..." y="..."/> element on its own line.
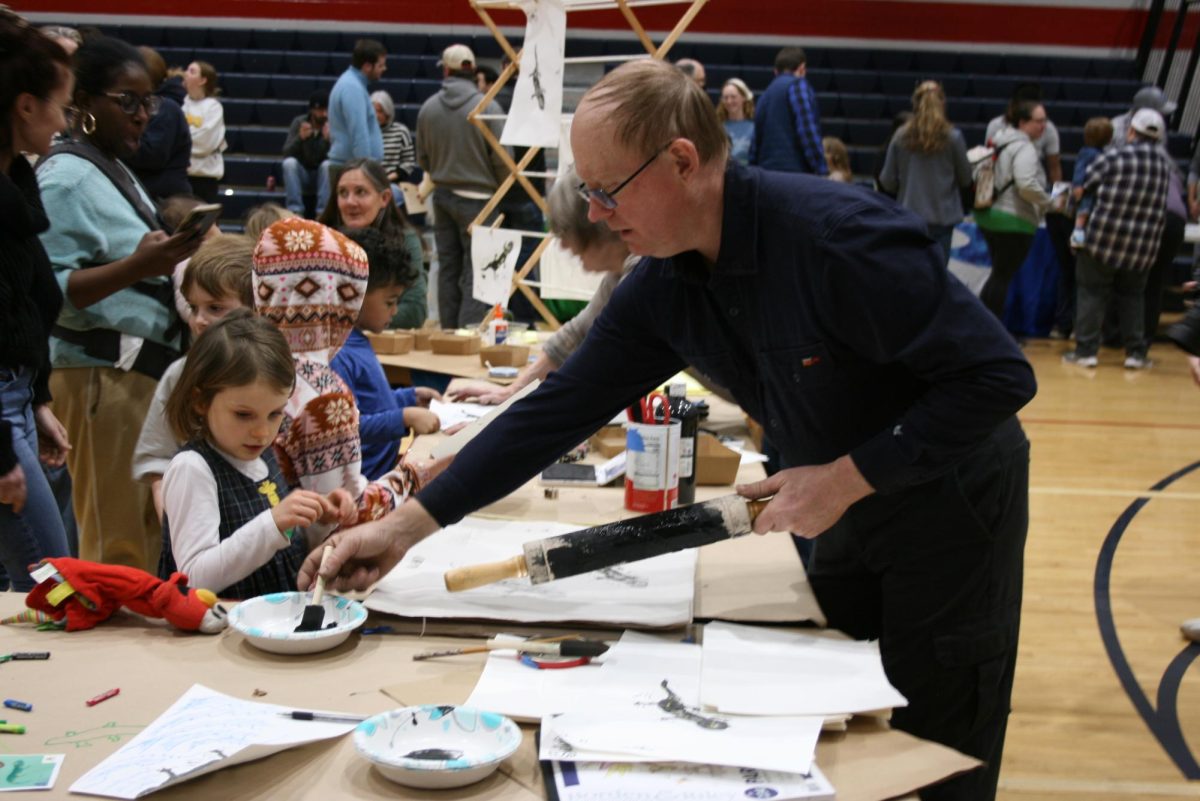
<point x="206" y="121"/>
<point x="194" y="516"/>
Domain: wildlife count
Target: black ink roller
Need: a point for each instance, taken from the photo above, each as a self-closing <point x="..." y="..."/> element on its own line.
<point x="616" y="543"/>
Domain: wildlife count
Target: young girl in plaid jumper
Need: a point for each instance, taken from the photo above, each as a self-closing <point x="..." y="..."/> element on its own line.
<point x="229" y="521"/>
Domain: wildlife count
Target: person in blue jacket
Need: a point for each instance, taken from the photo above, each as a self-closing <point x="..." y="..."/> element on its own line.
<point x="827" y="312"/>
<point x="787" y="121"/>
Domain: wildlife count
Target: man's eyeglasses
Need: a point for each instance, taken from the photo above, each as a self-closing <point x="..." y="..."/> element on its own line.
<point x="606" y="199"/>
<point x="129" y="102"/>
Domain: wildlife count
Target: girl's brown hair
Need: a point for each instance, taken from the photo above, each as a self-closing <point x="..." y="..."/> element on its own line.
<point x="928" y="131"/>
<point x="209" y="73"/>
<point x="237" y="350"/>
<point x="1097" y="132"/>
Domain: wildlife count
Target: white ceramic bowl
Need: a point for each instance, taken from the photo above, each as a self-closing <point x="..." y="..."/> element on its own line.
<point x="437" y="746"/>
<point x="269" y="622"/>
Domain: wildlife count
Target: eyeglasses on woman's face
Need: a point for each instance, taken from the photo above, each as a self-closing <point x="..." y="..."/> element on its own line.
<point x="129" y="102"/>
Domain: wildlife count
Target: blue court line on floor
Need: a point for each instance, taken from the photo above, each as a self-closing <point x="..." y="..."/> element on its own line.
<point x="1163" y="720"/>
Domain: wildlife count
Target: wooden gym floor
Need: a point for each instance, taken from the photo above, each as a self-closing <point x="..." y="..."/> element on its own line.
<point x="1107" y="698"/>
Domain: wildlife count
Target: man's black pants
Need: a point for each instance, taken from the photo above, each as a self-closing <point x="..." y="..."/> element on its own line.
<point x="934" y="572"/>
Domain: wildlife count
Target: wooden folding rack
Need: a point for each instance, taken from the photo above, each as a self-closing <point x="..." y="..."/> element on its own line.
<point x="518" y="171"/>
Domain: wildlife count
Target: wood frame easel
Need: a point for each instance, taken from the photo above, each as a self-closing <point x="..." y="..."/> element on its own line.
<point x="517" y="171"/>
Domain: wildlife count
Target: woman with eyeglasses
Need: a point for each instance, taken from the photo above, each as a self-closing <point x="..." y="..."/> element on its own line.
<point x="206" y="120"/>
<point x="118" y="329"/>
<point x="35" y="89"/>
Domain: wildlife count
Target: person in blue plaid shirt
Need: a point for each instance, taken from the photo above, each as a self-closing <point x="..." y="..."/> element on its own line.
<point x="1130" y="185"/>
<point x="787" y="122"/>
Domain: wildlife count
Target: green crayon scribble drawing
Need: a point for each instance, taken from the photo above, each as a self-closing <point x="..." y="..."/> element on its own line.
<point x="84" y="739"/>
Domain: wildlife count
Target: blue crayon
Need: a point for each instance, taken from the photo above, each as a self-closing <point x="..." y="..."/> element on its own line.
<point x="21" y="705"/>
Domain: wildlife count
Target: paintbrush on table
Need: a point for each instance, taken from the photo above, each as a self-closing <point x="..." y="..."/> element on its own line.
<point x="617" y="543"/>
<point x="314" y="613"/>
<point x="567" y="645"/>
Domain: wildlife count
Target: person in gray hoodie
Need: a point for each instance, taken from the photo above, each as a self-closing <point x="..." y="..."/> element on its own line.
<point x="466" y="173"/>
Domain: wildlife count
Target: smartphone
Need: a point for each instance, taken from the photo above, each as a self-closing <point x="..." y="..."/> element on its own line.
<point x="200" y="219"/>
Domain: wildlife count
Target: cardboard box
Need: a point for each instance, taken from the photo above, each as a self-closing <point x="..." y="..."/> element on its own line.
<point x="608" y="441"/>
<point x="420" y="336"/>
<point x="716" y="465"/>
<point x="504" y="355"/>
<point x="455" y="344"/>
<point x="390" y="343"/>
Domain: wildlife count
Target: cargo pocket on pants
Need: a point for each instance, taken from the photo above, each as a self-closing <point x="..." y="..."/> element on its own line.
<point x="987" y="654"/>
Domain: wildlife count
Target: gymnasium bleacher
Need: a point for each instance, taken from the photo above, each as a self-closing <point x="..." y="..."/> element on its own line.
<point x="267" y="76"/>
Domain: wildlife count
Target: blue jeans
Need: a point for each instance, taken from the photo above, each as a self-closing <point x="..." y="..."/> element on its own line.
<point x="298" y="181"/>
<point x="323" y="187"/>
<point x="37" y="531"/>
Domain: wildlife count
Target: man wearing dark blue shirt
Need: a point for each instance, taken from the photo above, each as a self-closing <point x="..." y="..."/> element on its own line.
<point x="826" y="311"/>
<point x="787" y="122"/>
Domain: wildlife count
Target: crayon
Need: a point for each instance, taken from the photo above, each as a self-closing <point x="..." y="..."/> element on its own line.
<point x="21" y="705"/>
<point x="30" y="655"/>
<point x="11" y="728"/>
<point x="104" y="696"/>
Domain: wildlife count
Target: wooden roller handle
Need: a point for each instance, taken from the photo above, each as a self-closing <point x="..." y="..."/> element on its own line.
<point x="467" y="578"/>
<point x="755" y="507"/>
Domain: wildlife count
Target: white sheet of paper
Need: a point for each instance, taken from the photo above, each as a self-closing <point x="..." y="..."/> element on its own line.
<point x="201" y="732"/>
<point x="449" y="414"/>
<point x="563" y="276"/>
<point x="645" y="704"/>
<point x="759" y="671"/>
<point x="654" y="592"/>
<point x="453" y="444"/>
<point x="494" y="254"/>
<point x="533" y="117"/>
<point x="605" y="781"/>
<point x="510" y="688"/>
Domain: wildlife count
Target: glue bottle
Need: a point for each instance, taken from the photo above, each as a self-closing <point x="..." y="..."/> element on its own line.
<point x="499" y="326"/>
<point x="689" y="417"/>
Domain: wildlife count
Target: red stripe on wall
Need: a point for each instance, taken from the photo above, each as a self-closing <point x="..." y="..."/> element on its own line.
<point x="851" y="19"/>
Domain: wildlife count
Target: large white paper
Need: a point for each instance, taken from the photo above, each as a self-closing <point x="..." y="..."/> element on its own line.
<point x="758" y="671"/>
<point x="645" y="705"/>
<point x="654" y="592"/>
<point x="612" y="780"/>
<point x="201" y="732"/>
<point x="451" y="414"/>
<point x="453" y="444"/>
<point x="563" y="276"/>
<point x="533" y="118"/>
<point x="494" y="254"/>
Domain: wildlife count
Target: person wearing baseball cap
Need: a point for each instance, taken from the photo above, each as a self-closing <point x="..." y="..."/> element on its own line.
<point x="1148" y="97"/>
<point x="1130" y="182"/>
<point x="466" y="173"/>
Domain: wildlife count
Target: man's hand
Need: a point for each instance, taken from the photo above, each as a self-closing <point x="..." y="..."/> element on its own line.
<point x="478" y="392"/>
<point x="306" y="129"/>
<point x="12" y="489"/>
<point x="808" y="500"/>
<point x="364" y="554"/>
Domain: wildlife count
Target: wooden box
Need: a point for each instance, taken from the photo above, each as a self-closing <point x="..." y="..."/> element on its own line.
<point x="608" y="441"/>
<point x="455" y="344"/>
<point x="390" y="343"/>
<point x="420" y="337"/>
<point x="504" y="356"/>
<point x="716" y="465"/>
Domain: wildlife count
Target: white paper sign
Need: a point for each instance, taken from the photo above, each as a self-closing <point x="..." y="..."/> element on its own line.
<point x="533" y="119"/>
<point x="494" y="254"/>
<point x="563" y="276"/>
<point x="203" y="731"/>
<point x="606" y="781"/>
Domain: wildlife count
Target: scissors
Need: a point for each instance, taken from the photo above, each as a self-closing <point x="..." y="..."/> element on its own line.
<point x="644" y="412"/>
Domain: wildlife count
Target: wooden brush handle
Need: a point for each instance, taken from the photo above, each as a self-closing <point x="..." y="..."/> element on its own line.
<point x="319" y="592"/>
<point x="466" y="578"/>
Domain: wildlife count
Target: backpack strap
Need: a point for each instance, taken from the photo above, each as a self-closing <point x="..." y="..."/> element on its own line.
<point x="117" y="173"/>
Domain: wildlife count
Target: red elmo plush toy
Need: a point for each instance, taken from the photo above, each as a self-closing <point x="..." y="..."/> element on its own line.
<point x="88" y="593"/>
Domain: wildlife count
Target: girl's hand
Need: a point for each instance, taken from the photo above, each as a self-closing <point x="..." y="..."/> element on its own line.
<point x="12" y="489"/>
<point x="52" y="437"/>
<point x="427" y="394"/>
<point x="340" y="508"/>
<point x="421" y="421"/>
<point x="299" y="508"/>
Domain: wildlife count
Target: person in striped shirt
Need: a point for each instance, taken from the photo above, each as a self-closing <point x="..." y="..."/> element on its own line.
<point x="399" y="150"/>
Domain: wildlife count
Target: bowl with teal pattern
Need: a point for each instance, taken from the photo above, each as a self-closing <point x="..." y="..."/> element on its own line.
<point x="437" y="746"/>
<point x="269" y="622"/>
